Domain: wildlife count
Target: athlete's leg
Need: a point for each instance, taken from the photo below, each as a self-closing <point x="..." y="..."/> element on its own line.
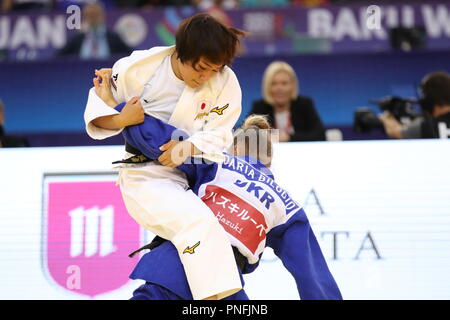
<point x="240" y="295"/>
<point x="168" y="210"/>
<point x="150" y="291"/>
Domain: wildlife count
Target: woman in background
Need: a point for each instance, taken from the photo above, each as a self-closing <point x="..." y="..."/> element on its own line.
<point x="292" y="114"/>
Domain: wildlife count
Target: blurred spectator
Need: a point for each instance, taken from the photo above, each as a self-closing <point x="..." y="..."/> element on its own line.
<point x="26" y="5"/>
<point x="212" y="5"/>
<point x="95" y="41"/>
<point x="9" y="141"/>
<point x="152" y="3"/>
<point x="293" y="115"/>
<point x="3" y="55"/>
<point x="310" y="3"/>
<point x="263" y="3"/>
<point x="64" y="4"/>
<point x="435" y="103"/>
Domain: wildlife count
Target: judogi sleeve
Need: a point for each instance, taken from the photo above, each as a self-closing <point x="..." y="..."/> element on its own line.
<point x="148" y="136"/>
<point x="296" y="245"/>
<point x="152" y="133"/>
<point x="96" y="107"/>
<point x="217" y="135"/>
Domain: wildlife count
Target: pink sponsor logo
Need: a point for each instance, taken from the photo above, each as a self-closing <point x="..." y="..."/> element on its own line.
<point x="88" y="236"/>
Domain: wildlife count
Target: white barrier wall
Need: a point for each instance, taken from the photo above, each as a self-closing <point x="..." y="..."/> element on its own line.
<point x="380" y="211"/>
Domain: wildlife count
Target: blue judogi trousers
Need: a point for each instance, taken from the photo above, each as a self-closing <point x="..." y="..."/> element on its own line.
<point x="165" y="278"/>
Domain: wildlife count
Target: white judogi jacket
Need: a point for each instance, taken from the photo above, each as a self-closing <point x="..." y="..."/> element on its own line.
<point x="210" y="128"/>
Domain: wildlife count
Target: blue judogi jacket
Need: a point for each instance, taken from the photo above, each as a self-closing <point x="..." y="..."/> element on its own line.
<point x="251" y="207"/>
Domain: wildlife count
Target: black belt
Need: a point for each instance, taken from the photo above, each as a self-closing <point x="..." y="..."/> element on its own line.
<point x="138" y="157"/>
<point x="241" y="261"/>
<point x="129" y="148"/>
<point x="157" y="241"/>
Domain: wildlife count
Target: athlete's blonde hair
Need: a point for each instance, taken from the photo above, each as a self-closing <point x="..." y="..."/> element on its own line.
<point x="257" y="121"/>
<point x="271" y="70"/>
<point x="255" y="126"/>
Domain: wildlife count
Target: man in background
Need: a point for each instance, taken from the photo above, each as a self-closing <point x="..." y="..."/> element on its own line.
<point x="9" y="141"/>
<point x="95" y="41"/>
<point x="435" y="104"/>
<point x="26" y="5"/>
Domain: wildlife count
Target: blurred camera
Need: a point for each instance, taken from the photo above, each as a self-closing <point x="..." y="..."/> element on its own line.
<point x="366" y="120"/>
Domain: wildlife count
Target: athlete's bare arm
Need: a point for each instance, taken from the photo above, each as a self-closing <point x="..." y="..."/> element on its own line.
<point x="131" y="114"/>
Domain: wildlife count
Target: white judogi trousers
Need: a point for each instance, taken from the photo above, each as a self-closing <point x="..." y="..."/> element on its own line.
<point x="158" y="199"/>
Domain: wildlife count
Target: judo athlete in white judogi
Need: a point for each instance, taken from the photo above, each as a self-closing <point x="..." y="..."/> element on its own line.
<point x="253" y="209"/>
<point x="206" y="103"/>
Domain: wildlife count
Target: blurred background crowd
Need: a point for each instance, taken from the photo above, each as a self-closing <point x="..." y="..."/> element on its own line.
<point x="19" y="5"/>
<point x="319" y="69"/>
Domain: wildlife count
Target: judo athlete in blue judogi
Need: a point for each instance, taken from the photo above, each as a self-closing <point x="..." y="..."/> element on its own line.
<point x="253" y="209"/>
